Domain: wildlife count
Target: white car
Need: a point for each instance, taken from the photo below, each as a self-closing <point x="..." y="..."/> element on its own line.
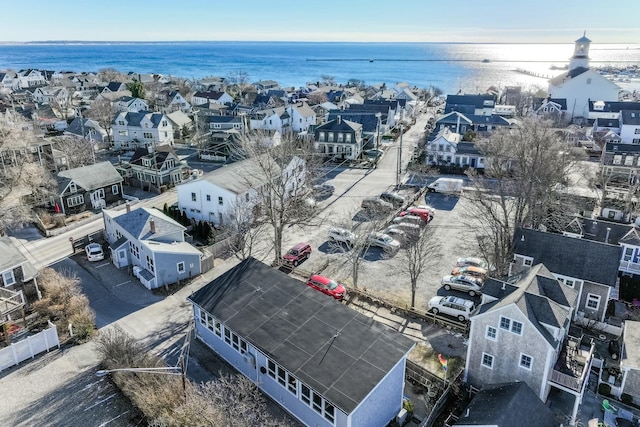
<point x="472" y="261"/>
<point x="396" y="233"/>
<point x="94" y="252"/>
<point x="383" y="241"/>
<point x="342" y="235"/>
<point x="463" y="283"/>
<point x="431" y="210"/>
<point x="459" y="308"/>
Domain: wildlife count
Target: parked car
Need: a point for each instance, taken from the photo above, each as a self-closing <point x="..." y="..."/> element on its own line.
<point x="322" y="190"/>
<point x="476" y="262"/>
<point x="342" y="235"/>
<point x="383" y="241"/>
<point x="297" y="254"/>
<point x="429" y="208"/>
<point x="468" y="284"/>
<point x="376" y="204"/>
<point x="409" y="229"/>
<point x="394" y="198"/>
<point x="396" y="233"/>
<point x="459" y="308"/>
<point x="470" y="270"/>
<point x="409" y="219"/>
<point x="327" y="286"/>
<point x="94" y="252"/>
<point x="422" y="213"/>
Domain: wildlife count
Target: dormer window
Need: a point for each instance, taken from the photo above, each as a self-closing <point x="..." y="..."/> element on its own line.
<point x="72" y="187"/>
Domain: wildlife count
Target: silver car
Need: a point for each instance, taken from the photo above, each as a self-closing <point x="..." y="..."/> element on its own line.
<point x="384" y="241"/>
<point x="462" y="283"/>
<point x="342" y="235"/>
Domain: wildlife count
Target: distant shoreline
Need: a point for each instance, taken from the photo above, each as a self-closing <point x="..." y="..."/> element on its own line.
<point x="109" y="42"/>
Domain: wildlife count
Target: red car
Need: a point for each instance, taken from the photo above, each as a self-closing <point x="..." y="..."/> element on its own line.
<point x="297" y="254"/>
<point x="422" y="213"/>
<point x="327" y="286"/>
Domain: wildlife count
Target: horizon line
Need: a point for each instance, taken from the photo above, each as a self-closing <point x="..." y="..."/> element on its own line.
<point x="5" y="42"/>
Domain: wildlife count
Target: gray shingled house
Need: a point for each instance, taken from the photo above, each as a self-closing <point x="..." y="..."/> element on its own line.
<point x="88" y="187"/>
<point x="326" y="364"/>
<point x="521" y="333"/>
<point x="590" y="267"/>
<point x="16" y="275"/>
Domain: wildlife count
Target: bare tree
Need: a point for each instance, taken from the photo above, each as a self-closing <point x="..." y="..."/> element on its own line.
<point x="239" y="82"/>
<point x="278" y="172"/>
<point x="359" y="243"/>
<point x="317" y="97"/>
<point x="327" y="80"/>
<point x="245" y="233"/>
<point x="24" y="182"/>
<point x="112" y="75"/>
<point x="78" y="151"/>
<point x="421" y="253"/>
<point x="526" y="169"/>
<point x="103" y="111"/>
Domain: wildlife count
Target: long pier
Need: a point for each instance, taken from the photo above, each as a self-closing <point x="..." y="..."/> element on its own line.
<point x="533" y="74"/>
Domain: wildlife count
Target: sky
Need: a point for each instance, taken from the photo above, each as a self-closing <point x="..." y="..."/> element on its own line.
<point x="482" y="21"/>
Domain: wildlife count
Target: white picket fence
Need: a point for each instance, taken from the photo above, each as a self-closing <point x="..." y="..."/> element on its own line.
<point x="29" y="347"/>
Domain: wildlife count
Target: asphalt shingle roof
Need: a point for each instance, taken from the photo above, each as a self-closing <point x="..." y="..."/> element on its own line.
<point x="580" y="258"/>
<point x="137" y="221"/>
<point x="338" y="352"/>
<point x="10" y="256"/>
<point x="507" y="405"/>
<point x="92" y="177"/>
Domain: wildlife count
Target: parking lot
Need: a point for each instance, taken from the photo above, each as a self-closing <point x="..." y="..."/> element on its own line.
<point x="381" y="273"/>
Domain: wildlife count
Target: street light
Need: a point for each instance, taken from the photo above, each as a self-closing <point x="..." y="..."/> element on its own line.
<point x="399" y="168"/>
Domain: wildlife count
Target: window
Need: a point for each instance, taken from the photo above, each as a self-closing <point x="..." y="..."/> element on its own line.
<point x="525" y="361"/>
<point x="193" y="197"/>
<point x="636" y="131"/>
<point x="348" y="137"/>
<point x="164" y="123"/>
<point x="271" y="369"/>
<point x="75" y="200"/>
<point x="181" y="268"/>
<point x="487" y="360"/>
<point x="492" y="333"/>
<point x="527" y="262"/>
<point x="628" y="161"/>
<point x="150" y="265"/>
<point x="121" y="122"/>
<point x="72" y="187"/>
<point x="628" y="253"/>
<point x="208" y="197"/>
<point x="122" y="133"/>
<point x="589" y="81"/>
<point x="115" y="189"/>
<point x="593" y="301"/>
<point x="321" y="136"/>
<point x="135" y="251"/>
<point x="330" y="136"/>
<point x="100" y="192"/>
<point x="147" y="135"/>
<point x="505" y="323"/>
<point x="220" y="202"/>
<point x="7" y="278"/>
<point x="617" y="159"/>
<point x="516" y="327"/>
<point x="235" y="341"/>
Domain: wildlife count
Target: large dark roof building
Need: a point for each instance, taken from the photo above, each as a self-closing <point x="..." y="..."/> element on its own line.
<point x="300" y="340"/>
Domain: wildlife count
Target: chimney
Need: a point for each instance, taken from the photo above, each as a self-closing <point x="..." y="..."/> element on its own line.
<point x="128" y="206"/>
<point x="152" y="226"/>
<point x="606" y="239"/>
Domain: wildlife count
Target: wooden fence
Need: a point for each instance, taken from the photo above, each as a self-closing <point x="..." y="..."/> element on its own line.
<point x="29" y="347"/>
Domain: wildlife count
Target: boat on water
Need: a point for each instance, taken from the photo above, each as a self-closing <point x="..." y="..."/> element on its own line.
<point x="485" y="60"/>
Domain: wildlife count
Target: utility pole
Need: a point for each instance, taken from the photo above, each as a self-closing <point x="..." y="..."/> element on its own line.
<point x="399" y="168"/>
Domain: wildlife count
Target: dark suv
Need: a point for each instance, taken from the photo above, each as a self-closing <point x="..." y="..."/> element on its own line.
<point x="297" y="254"/>
<point x="394" y="198"/>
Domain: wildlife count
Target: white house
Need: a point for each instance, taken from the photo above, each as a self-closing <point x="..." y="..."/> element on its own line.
<point x="220" y="194"/>
<point x="141" y="129"/>
<point x="130" y="104"/>
<point x="29" y="78"/>
<point x="325" y="364"/>
<point x="213" y="97"/>
<point x="630" y="126"/>
<point x="579" y="83"/>
<point x="153" y="244"/>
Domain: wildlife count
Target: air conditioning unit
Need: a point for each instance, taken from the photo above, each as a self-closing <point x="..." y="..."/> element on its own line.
<point x="401" y="418"/>
<point x="250" y="359"/>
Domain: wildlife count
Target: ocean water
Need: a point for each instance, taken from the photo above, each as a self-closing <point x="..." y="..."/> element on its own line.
<point x="449" y="66"/>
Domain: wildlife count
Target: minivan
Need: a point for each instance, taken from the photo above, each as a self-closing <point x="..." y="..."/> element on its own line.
<point x="459" y="308"/>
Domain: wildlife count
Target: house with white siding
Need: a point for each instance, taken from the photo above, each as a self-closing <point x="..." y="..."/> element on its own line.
<point x="325" y="364"/>
<point x="152" y="244"/>
<point x="141" y="129"/>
